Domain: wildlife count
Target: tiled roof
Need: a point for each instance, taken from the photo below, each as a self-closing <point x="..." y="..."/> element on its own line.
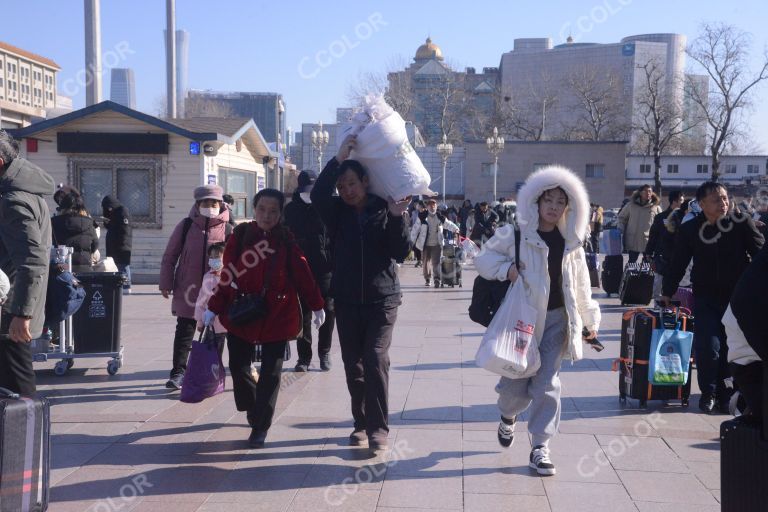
<point x="224" y="125"/>
<point x="28" y="55"/>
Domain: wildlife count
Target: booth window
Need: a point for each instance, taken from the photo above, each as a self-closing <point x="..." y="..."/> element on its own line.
<point x="241" y="185"/>
<point x="134" y="182"/>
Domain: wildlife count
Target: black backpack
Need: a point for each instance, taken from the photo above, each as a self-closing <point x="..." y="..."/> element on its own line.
<point x="64" y="296"/>
<point x="487" y="295"/>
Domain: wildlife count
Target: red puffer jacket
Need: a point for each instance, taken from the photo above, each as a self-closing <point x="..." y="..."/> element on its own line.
<point x="265" y="253"/>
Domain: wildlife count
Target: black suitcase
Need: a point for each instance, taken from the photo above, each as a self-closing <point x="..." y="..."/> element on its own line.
<point x="634" y="354"/>
<point x="25" y="431"/>
<point x="636" y="285"/>
<point x="613" y="269"/>
<point x="450" y="272"/>
<point x="744" y="460"/>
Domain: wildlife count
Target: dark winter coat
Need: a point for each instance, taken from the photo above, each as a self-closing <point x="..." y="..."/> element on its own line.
<point x="25" y="240"/>
<point x="718" y="265"/>
<point x="119" y="230"/>
<point x="365" y="246"/>
<point x="485" y="224"/>
<point x="249" y="265"/>
<point x="312" y="236"/>
<point x="749" y="303"/>
<point x="76" y="231"/>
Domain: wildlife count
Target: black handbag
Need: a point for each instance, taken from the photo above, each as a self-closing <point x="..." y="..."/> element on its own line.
<point x="487" y="295"/>
<point x="249" y="307"/>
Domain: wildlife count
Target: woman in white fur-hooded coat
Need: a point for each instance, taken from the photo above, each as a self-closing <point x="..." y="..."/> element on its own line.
<point x="553" y="213"/>
<point x="497" y="257"/>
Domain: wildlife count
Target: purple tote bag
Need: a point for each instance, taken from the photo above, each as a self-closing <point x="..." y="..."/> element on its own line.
<point x="205" y="373"/>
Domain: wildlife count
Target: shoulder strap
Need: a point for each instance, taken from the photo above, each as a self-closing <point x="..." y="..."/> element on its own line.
<point x="517" y="248"/>
<point x="185" y="230"/>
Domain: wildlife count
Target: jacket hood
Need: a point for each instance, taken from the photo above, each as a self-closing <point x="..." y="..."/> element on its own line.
<point x="24" y="176"/>
<point x="110" y="202"/>
<point x="654" y="199"/>
<point x="198" y="219"/>
<point x="574" y="222"/>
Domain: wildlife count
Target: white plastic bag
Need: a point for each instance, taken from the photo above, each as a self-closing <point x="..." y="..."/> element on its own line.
<point x="509" y="347"/>
<point x="395" y="170"/>
<point x="106" y="265"/>
<point x="470" y="248"/>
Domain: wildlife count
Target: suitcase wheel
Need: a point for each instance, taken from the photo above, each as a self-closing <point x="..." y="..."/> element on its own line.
<point x="61" y="368"/>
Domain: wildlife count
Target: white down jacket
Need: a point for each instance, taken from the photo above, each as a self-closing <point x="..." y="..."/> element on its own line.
<point x="498" y="254"/>
<point x="420" y="230"/>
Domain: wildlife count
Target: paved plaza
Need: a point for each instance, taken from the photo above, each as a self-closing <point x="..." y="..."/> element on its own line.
<point x="125" y="443"/>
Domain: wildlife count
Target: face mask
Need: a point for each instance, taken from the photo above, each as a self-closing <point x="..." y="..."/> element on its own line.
<point x="216" y="264"/>
<point x="209" y="212"/>
<point x="305" y="197"/>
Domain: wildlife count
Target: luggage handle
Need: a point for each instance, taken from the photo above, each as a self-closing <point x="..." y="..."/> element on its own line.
<point x="7" y="393"/>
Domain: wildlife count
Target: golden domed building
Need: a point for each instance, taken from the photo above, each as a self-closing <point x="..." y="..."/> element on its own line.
<point x="420" y="91"/>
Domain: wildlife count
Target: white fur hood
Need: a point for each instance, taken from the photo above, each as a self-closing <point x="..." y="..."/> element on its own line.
<point x="573" y="225"/>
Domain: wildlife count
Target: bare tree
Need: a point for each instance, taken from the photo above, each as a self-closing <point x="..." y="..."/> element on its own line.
<point x="598" y="109"/>
<point x="723" y="52"/>
<point x="658" y="116"/>
<point x="200" y="106"/>
<point x="394" y="84"/>
<point x="525" y="116"/>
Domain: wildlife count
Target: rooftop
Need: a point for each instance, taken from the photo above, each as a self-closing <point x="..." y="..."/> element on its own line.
<point x="28" y="55"/>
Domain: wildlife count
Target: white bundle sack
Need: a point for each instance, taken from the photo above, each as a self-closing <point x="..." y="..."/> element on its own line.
<point x="394" y="169"/>
<point x="508" y="347"/>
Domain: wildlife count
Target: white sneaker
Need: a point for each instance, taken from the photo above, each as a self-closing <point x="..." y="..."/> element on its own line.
<point x="506" y="433"/>
<point x="540" y="461"/>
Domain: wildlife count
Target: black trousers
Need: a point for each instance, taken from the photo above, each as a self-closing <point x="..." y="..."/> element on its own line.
<point x="710" y="344"/>
<point x="182" y="344"/>
<point x="324" y="335"/>
<point x="633" y="256"/>
<point x="417" y="254"/>
<point x="16" y="373"/>
<point x="258" y="399"/>
<point x="749" y="380"/>
<point x="365" y="334"/>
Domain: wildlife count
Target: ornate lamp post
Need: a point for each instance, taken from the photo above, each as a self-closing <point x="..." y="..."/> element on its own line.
<point x="445" y="150"/>
<point x="319" y="142"/>
<point x="495" y="145"/>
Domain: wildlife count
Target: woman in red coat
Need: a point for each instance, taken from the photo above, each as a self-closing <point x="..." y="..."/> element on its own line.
<point x="261" y="258"/>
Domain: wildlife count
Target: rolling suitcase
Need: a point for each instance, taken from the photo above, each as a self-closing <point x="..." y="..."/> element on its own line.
<point x="637" y="327"/>
<point x="744" y="460"/>
<point x="450" y="268"/>
<point x="636" y="284"/>
<point x="24" y="453"/>
<point x="613" y="268"/>
<point x="594" y="269"/>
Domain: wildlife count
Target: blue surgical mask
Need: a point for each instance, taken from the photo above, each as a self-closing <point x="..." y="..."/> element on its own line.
<point x="216" y="264"/>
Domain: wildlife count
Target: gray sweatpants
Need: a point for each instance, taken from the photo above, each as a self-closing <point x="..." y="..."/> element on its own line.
<point x="542" y="391"/>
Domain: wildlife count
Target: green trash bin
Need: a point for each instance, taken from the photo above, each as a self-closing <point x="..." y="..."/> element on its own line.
<point x="96" y="325"/>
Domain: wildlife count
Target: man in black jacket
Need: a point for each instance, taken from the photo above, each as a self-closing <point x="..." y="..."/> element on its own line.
<point x="312" y="237"/>
<point x="119" y="236"/>
<point x="25" y="254"/>
<point x="654" y="248"/>
<point x="720" y="244"/>
<point x="486" y="221"/>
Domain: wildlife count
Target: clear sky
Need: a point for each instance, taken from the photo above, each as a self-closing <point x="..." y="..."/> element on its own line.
<point x="311" y="51"/>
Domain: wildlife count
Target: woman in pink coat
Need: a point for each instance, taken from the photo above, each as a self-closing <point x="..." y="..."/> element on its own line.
<point x="184" y="264"/>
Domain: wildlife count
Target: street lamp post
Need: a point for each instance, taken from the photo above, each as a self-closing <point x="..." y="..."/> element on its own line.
<point x="319" y="142"/>
<point x="445" y="150"/>
<point x="495" y="145"/>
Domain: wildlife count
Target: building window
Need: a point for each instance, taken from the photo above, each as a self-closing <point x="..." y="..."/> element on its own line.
<point x="595" y="171"/>
<point x="486" y="169"/>
<point x="645" y="168"/>
<point x="133" y="181"/>
<point x="673" y="169"/>
<point x="702" y="169"/>
<point x="730" y="168"/>
<point x="241" y="185"/>
<point x="753" y="169"/>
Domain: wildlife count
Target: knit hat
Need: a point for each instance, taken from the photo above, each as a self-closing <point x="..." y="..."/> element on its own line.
<point x="306" y="180"/>
<point x="209" y="192"/>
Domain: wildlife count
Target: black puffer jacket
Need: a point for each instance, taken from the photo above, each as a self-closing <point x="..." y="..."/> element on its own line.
<point x="119" y="230"/>
<point x="76" y="231"/>
<point x="365" y="246"/>
<point x="749" y="303"/>
<point x="312" y="237"/>
<point x="720" y="255"/>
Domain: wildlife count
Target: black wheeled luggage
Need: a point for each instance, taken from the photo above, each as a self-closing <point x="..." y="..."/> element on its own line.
<point x="24" y="453"/>
<point x="613" y="269"/>
<point x="593" y="265"/>
<point x="744" y="460"/>
<point x="636" y="285"/>
<point x="450" y="266"/>
<point x="637" y="327"/>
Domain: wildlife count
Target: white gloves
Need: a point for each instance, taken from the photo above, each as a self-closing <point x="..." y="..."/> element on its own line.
<point x="208" y="317"/>
<point x="319" y="317"/>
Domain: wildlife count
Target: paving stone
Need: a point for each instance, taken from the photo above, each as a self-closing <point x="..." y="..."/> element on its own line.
<point x="586" y="497"/>
<point x="665" y="487"/>
<point x="505" y="503"/>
